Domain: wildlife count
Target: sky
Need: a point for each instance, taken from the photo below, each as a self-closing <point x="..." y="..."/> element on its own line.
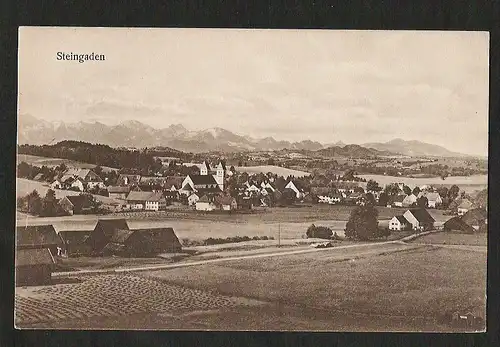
<point x="322" y="85"/>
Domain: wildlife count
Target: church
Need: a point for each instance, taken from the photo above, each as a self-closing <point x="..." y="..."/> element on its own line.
<point x="208" y="181"/>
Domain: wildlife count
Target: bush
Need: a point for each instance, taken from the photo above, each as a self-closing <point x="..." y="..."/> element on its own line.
<point x="218" y="241"/>
<point x="319" y="232"/>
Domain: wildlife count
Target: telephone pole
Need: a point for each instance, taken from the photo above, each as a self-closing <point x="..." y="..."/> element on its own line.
<point x="279" y="235"/>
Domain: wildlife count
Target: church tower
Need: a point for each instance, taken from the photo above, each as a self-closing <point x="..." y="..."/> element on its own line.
<point x="219" y="176"/>
<point x="205" y="168"/>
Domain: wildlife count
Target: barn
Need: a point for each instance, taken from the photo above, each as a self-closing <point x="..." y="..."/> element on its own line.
<point x="34" y="266"/>
<point x="142" y="242"/>
<point x="40" y="236"/>
<point x="102" y="233"/>
<point x="456" y="224"/>
<point x="76" y="242"/>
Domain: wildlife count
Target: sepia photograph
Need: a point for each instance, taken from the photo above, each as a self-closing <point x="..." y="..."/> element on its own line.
<point x="251" y="180"/>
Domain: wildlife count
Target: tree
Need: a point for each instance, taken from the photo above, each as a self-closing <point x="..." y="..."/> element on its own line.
<point x="372" y="186"/>
<point x="287" y="197"/>
<point x="362" y="223"/>
<point x="416" y="191"/>
<point x="453" y="192"/>
<point x="392" y="189"/>
<point x="407" y="190"/>
<point x="422" y="202"/>
<point x="34" y="202"/>
<point x="370" y="199"/>
<point x="383" y="199"/>
<point x="319" y="232"/>
<point x="49" y="204"/>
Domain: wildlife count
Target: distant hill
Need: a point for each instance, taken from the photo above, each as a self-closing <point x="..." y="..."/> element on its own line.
<point x="351" y="151"/>
<point x="413" y="148"/>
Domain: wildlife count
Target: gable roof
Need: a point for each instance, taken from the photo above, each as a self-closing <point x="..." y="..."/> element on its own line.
<point x="422" y="215"/>
<point x="175" y="181"/>
<point x="456" y="223"/>
<point x="432" y="196"/>
<point x="37" y="256"/>
<point x="118" y="189"/>
<point x="133" y="179"/>
<point x="108" y="226"/>
<point x="75" y="236"/>
<point x="36" y="235"/>
<point x="79" y="201"/>
<point x="82" y="173"/>
<point x="475" y="216"/>
<point x="466" y="204"/>
<point x="401" y="219"/>
<point x="399" y="198"/>
<point x="202" y="179"/>
<point x="121" y="235"/>
<point x="144" y="196"/>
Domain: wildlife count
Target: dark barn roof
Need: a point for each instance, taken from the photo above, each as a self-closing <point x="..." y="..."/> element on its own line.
<point x="33" y="257"/>
<point x="108" y="226"/>
<point x="143" y="241"/>
<point x="456" y="223"/>
<point x="36" y="235"/>
<point x="422" y="215"/>
<point x="402" y="219"/>
<point x="475" y="216"/>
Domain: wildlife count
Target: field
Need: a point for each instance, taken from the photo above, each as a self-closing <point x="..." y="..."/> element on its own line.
<point x="51" y="162"/>
<point x="280" y="171"/>
<point x="448" y="238"/>
<point x="468" y="184"/>
<point x="383" y="287"/>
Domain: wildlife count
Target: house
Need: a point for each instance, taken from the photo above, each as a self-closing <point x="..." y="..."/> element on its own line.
<point x="409" y="200"/>
<point x="76" y="241"/>
<point x="56" y="185"/>
<point x="78" y="184"/>
<point x="76" y="204"/>
<point x="226" y="202"/>
<point x="102" y="233"/>
<point x="399" y="223"/>
<point x="40" y="237"/>
<point x="299" y="192"/>
<point x="267" y="186"/>
<point x="397" y="201"/>
<point x="171" y="196"/>
<point x="88" y="177"/>
<point x="173" y="183"/>
<point x="456" y="224"/>
<point x="419" y="219"/>
<point x="477" y="218"/>
<point x="464" y="206"/>
<point x="34" y="266"/>
<point x="205" y="204"/>
<point x="149" y="201"/>
<point x="128" y="180"/>
<point x="434" y="200"/>
<point x="38" y="177"/>
<point x="142" y="242"/>
<point x="193" y="199"/>
<point x="66" y="181"/>
<point x="118" y="192"/>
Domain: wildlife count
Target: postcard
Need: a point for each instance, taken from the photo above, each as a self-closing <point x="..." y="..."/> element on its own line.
<point x="277" y="180"/>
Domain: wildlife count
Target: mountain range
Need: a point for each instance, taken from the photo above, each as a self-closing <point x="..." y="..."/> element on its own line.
<point x="132" y="133"/>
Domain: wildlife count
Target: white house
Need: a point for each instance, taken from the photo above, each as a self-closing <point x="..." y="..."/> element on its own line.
<point x="77" y="183"/>
<point x="433" y="199"/>
<point x="409" y="200"/>
<point x="55" y="185"/>
<point x="398" y="200"/>
<point x="151" y="201"/>
<point x="193" y="199"/>
<point x="205" y="204"/>
<point x="226" y="203"/>
<point x="299" y="193"/>
<point x="399" y="223"/>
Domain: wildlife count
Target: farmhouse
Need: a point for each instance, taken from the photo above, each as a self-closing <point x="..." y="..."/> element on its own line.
<point x="76" y="204"/>
<point x="205" y="204"/>
<point x="464" y="206"/>
<point x="88" y="177"/>
<point x="56" y="185"/>
<point x="76" y="241"/>
<point x="40" y="237"/>
<point x="128" y="180"/>
<point x="409" y="200"/>
<point x="193" y="199"/>
<point x="433" y="199"/>
<point x="399" y="223"/>
<point x="142" y="242"/>
<point x="173" y="183"/>
<point x="226" y="203"/>
<point x="397" y="201"/>
<point x="34" y="266"/>
<point x="78" y="184"/>
<point x="118" y="192"/>
<point x="299" y="192"/>
<point x="477" y="218"/>
<point x="419" y="219"/>
<point x="103" y="232"/>
<point x="456" y="224"/>
<point x="149" y="201"/>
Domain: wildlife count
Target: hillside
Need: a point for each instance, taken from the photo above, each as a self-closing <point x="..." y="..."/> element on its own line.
<point x="350" y="151"/>
<point x="413" y="148"/>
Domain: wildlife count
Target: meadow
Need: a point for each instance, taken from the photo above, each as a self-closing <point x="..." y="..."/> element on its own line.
<point x="51" y="162"/>
<point x="374" y="285"/>
<point x="280" y="171"/>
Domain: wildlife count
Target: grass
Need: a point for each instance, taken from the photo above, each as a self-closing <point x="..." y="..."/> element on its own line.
<point x="417" y="282"/>
<point x="450" y="238"/>
<point x="51" y="162"/>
